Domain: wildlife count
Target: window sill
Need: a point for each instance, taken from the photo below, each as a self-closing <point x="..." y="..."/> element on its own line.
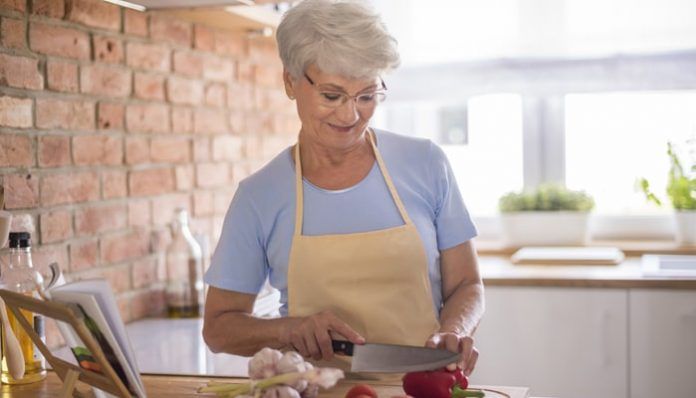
<point x="629" y="247"/>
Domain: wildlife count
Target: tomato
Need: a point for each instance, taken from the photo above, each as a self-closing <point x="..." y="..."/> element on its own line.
<point x="361" y="391"/>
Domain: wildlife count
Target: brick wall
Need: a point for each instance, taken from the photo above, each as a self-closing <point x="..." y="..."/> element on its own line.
<point x="111" y="118"/>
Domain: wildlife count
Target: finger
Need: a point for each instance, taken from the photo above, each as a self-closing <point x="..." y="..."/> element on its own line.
<point x="433" y="341"/>
<point x="343" y="328"/>
<point x="451" y="342"/>
<point x="299" y="345"/>
<point x="325" y="348"/>
<point x="471" y="363"/>
<point x="312" y="346"/>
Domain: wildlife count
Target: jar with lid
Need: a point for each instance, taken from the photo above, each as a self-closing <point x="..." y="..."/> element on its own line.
<point x="20" y="276"/>
<point x="184" y="291"/>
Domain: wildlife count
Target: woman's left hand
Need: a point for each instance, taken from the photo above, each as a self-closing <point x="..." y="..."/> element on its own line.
<point x="454" y="342"/>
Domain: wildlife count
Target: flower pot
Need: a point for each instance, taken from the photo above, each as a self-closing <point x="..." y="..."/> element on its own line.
<point x="545" y="228"/>
<point x="685" y="227"/>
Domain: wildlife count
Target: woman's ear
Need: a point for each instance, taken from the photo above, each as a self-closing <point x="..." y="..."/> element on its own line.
<point x="287" y="79"/>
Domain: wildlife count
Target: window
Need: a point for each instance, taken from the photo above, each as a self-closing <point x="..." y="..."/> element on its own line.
<point x="622" y="136"/>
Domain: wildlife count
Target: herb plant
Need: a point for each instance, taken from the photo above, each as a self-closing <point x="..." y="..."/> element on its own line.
<point x="547" y="197"/>
<point x="681" y="185"/>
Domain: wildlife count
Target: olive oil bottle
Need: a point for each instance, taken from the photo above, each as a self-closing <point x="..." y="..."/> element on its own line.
<point x="184" y="292"/>
<point x="21" y="276"/>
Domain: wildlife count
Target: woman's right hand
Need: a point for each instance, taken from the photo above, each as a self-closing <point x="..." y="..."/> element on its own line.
<point x="311" y="335"/>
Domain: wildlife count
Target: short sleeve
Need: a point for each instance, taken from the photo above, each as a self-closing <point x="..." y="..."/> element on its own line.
<point x="239" y="262"/>
<point x="452" y="221"/>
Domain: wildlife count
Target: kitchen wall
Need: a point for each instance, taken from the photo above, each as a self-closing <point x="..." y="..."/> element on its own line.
<point x="111" y="118"/>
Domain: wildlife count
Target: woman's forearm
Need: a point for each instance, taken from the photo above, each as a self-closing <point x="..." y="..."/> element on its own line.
<point x="244" y="334"/>
<point x="463" y="309"/>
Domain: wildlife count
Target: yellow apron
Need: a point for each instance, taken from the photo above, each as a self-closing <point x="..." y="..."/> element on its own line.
<point x="377" y="281"/>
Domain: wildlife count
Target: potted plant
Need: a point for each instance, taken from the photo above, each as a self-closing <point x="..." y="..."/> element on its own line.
<point x="550" y="215"/>
<point x="681" y="190"/>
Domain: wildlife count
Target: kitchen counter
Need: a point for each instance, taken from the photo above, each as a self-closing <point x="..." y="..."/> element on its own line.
<point x="182" y="386"/>
<point x="498" y="270"/>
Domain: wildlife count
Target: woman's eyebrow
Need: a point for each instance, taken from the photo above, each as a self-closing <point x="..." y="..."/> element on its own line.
<point x="339" y="88"/>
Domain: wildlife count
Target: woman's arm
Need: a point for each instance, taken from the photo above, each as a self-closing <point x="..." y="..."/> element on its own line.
<point x="229" y="326"/>
<point x="462" y="295"/>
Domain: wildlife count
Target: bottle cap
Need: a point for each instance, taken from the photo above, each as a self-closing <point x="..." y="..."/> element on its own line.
<point x="20" y="239"/>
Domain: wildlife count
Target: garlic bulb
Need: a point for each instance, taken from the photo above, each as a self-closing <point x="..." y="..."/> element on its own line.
<point x="264" y="363"/>
<point x="281" y="392"/>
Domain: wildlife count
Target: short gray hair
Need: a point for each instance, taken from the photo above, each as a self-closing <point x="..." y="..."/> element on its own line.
<point x="344" y="37"/>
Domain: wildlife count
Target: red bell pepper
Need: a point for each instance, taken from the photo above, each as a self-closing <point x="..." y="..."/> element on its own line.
<point x="440" y="383"/>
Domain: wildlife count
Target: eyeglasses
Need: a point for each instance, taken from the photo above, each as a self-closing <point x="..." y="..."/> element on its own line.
<point x="363" y="101"/>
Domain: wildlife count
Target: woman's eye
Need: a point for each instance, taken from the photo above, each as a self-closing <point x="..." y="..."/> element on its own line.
<point x="331" y="96"/>
<point x="366" y="97"/>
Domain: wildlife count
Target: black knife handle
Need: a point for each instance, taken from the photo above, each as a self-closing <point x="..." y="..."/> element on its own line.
<point x="342" y="347"/>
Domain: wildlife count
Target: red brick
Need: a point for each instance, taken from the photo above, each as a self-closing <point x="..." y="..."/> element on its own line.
<point x="184" y="177"/>
<point x="124" y="304"/>
<point x="204" y="38"/>
<point x="203" y="204"/>
<point x="44" y="255"/>
<point x="15" y="151"/>
<point x="222" y="200"/>
<point x="245" y="72"/>
<point x="20" y="72"/>
<point x="160" y="239"/>
<point x="237" y="122"/>
<point x="268" y="76"/>
<point x="138" y="213"/>
<point x="56" y="226"/>
<point x="105" y="80"/>
<point x="259" y="123"/>
<point x="215" y="94"/>
<point x="212" y="175"/>
<point x="188" y="63"/>
<point x="201" y="150"/>
<point x="182" y="120"/>
<point x="15" y="112"/>
<point x="241" y="96"/>
<point x="62" y="76"/>
<point x="170" y="150"/>
<point x="144" y="272"/>
<point x="94" y="13"/>
<point x="110" y="116"/>
<point x="210" y="121"/>
<point x="137" y="150"/>
<point x="108" y="49"/>
<point x="17" y="5"/>
<point x="148" y="56"/>
<point x="54" y="151"/>
<point x="64" y="114"/>
<point x="227" y="147"/>
<point x="149" y="86"/>
<point x="59" y="41"/>
<point x="150" y="303"/>
<point x="48" y="8"/>
<point x="151" y="182"/>
<point x="97" y="150"/>
<point x="21" y="191"/>
<point x="12" y="33"/>
<point x="218" y="69"/>
<point x="135" y="23"/>
<point x="124" y="246"/>
<point x="263" y="53"/>
<point x="184" y="91"/>
<point x="230" y="44"/>
<point x="167" y="29"/>
<point x="97" y="219"/>
<point x="83" y="255"/>
<point x="54" y="339"/>
<point x="119" y="277"/>
<point x="147" y="118"/>
<point x="114" y="184"/>
<point x="163" y="208"/>
<point x="68" y="188"/>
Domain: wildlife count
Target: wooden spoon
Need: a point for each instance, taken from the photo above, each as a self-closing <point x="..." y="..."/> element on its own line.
<point x="13" y="352"/>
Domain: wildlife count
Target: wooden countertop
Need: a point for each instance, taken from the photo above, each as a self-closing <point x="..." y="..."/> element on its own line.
<point x="183" y="386"/>
<point x="498" y="270"/>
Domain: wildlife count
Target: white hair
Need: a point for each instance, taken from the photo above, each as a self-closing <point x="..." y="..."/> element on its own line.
<point x="344" y="37"/>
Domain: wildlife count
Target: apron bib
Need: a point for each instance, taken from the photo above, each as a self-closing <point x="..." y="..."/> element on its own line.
<point x="377" y="281"/>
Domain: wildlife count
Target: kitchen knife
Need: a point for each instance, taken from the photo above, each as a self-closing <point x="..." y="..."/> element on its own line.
<point x="391" y="358"/>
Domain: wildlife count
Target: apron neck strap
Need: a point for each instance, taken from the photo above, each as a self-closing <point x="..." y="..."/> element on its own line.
<point x="299" y="191"/>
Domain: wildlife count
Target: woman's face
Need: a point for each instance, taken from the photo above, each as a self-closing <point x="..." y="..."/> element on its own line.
<point x="327" y="118"/>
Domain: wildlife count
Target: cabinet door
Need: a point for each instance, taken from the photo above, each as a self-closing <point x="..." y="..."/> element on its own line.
<point x="561" y="342"/>
<point x="663" y="343"/>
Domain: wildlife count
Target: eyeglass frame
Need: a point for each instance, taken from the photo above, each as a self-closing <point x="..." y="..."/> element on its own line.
<point x="347" y="96"/>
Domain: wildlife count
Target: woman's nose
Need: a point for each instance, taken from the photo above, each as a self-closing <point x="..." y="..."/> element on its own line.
<point x="348" y="112"/>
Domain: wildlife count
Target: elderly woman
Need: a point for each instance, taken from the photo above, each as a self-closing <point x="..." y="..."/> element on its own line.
<point x="364" y="232"/>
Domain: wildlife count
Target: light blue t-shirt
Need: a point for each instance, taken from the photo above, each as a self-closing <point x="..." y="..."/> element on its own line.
<point x="259" y="225"/>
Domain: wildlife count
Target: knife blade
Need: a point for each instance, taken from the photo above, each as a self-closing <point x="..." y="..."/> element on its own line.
<point x="393" y="358"/>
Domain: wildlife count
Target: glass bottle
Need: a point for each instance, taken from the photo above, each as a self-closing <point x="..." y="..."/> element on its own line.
<point x="21" y="277"/>
<point x="184" y="294"/>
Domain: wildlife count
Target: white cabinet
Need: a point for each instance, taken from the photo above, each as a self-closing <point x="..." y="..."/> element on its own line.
<point x="561" y="342"/>
<point x="663" y="343"/>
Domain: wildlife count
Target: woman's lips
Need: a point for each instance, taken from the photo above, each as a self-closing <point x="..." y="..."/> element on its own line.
<point x="342" y="129"/>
